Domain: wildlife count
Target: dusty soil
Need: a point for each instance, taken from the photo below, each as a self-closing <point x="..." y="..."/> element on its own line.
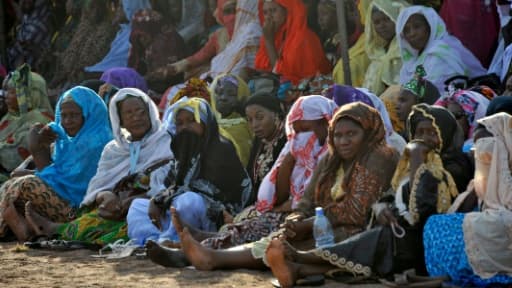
<point x="42" y="268"/>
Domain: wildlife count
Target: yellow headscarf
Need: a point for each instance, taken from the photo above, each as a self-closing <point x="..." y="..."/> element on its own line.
<point x="234" y="127"/>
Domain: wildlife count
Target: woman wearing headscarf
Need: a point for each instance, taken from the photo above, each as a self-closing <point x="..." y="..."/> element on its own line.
<point x="416" y="90"/>
<point x="288" y="47"/>
<point x="123" y="77"/>
<point x="228" y="93"/>
<point x="206" y="185"/>
<point x="343" y="94"/>
<point x="474" y="249"/>
<point x="119" y="49"/>
<point x="468" y="107"/>
<point x="89" y="44"/>
<point x="131" y="166"/>
<point x="240" y="52"/>
<point x="283" y="186"/>
<point x="80" y="131"/>
<point x="354" y="173"/>
<point x="423" y="40"/>
<point x="153" y="45"/>
<point x="225" y="14"/>
<point x="265" y="117"/>
<point x="27" y="103"/>
<point x="357" y="41"/>
<point x="382" y="45"/>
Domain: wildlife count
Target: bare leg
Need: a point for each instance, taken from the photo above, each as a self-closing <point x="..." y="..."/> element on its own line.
<point x="38" y="223"/>
<point x="285" y="269"/>
<point x="17" y="223"/>
<point x="165" y="256"/>
<point x="179" y="225"/>
<point x="208" y="259"/>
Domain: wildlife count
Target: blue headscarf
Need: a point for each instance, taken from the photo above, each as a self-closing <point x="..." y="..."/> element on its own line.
<point x="75" y="159"/>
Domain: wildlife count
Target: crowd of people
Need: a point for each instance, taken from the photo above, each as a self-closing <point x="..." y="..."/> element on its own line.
<point x="209" y="131"/>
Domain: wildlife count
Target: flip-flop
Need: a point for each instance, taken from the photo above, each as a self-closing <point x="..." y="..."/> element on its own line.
<point x="313" y="280"/>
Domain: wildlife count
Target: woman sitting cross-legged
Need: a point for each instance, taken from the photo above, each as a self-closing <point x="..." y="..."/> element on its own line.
<point x="474" y="249"/>
<point x="424" y="185"/>
<point x="80" y="132"/>
<point x="346" y="182"/>
<point x="307" y="126"/>
<point x="127" y="170"/>
<point x="207" y="184"/>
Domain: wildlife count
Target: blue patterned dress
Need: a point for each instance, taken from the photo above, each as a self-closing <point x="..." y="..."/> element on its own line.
<point x="443" y="238"/>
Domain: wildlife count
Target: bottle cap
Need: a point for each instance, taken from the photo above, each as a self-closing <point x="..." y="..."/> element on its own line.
<point x="319" y="211"/>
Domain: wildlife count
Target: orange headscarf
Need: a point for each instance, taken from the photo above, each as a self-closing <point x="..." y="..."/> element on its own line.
<point x="301" y="54"/>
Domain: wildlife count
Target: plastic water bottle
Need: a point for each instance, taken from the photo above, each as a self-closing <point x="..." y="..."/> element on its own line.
<point x="322" y="229"/>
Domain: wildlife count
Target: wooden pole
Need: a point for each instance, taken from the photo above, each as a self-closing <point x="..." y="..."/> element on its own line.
<point x="342" y="28"/>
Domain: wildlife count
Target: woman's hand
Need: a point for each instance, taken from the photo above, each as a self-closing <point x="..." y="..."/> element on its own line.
<point x="269" y="30"/>
<point x="284" y="208"/>
<point x="386" y="217"/>
<point x="155" y="214"/>
<point x="417" y="152"/>
<point x="297" y="229"/>
<point x="228" y="218"/>
<point x="40" y="137"/>
<point x="109" y="205"/>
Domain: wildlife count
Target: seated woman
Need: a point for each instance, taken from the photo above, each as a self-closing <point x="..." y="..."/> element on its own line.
<point x="354" y="173"/>
<point x="417" y="90"/>
<point x="356" y="47"/>
<point x="153" y="45"/>
<point x="238" y="56"/>
<point x="27" y="103"/>
<point x="308" y="123"/>
<point x="467" y="107"/>
<point x="424" y="186"/>
<point x="342" y="94"/>
<point x="120" y="46"/>
<point x="423" y="40"/>
<point x="127" y="170"/>
<point x="80" y="131"/>
<point x="265" y="118"/>
<point x="382" y="45"/>
<point x="195" y="65"/>
<point x="228" y="93"/>
<point x="89" y="44"/>
<point x="288" y="47"/>
<point x="207" y="185"/>
<point x="474" y="249"/>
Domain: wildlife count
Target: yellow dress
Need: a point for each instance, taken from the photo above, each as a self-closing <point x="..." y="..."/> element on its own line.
<point x="358" y="64"/>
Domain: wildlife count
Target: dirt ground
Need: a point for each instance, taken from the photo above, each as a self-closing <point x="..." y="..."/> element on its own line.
<point x="42" y="268"/>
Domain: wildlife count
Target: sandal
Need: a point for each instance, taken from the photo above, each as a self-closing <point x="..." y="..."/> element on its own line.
<point x="119" y="250"/>
<point x="313" y="280"/>
<point x="62" y="245"/>
<point x="409" y="279"/>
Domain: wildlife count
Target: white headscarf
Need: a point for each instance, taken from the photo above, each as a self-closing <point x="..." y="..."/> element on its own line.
<point x="444" y="55"/>
<point x="240" y="52"/>
<point x="115" y="159"/>
<point x="488" y="234"/>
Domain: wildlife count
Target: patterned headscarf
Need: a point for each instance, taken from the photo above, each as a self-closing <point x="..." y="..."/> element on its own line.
<point x="417" y="84"/>
<point x="474" y="106"/>
<point x="31" y="91"/>
<point x="194" y="87"/>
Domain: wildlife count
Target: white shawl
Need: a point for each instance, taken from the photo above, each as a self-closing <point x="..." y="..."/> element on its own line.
<point x="115" y="159"/>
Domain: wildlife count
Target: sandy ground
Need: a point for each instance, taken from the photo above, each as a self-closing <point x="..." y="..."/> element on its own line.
<point x="42" y="268"/>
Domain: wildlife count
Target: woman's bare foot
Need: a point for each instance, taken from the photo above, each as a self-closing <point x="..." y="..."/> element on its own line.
<point x="17" y="223"/>
<point x="179" y="225"/>
<point x="201" y="257"/>
<point x="284" y="270"/>
<point x="38" y="223"/>
<point x="165" y="256"/>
